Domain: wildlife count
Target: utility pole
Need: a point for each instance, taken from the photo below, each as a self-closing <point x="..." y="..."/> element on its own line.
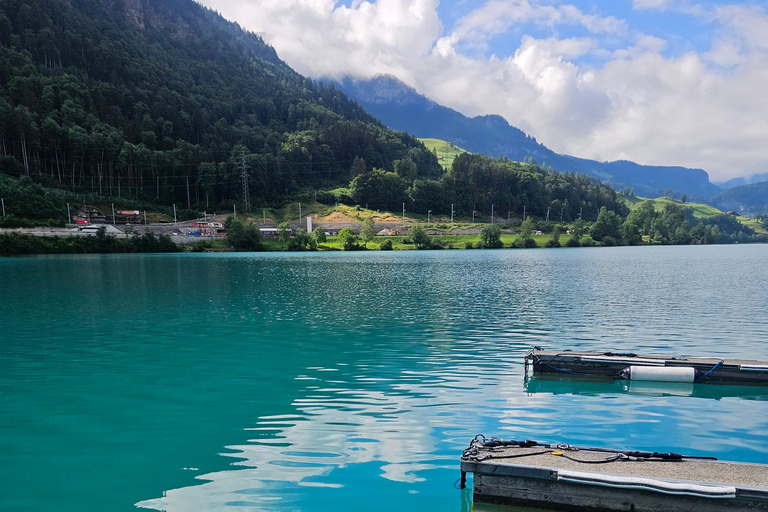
<point x="473" y="216"/>
<point x="403" y="212"/>
<point x="113" y="214"/>
<point x="3" y="201"/>
<point x="244" y="178"/>
<point x="451" y="213"/>
<point x="548" y="207"/>
<point x="428" y="212"/>
<point x="69" y="215"/>
<point x="581" y="209"/>
<point x="174" y="213"/>
<point x="145" y="217"/>
<point x="523" y="213"/>
<point x="265" y="215"/>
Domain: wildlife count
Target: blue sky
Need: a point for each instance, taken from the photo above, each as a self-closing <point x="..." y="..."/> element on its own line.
<point x="665" y="82"/>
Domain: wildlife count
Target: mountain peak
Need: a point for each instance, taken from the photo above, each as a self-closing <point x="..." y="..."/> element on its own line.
<point x="382" y="89"/>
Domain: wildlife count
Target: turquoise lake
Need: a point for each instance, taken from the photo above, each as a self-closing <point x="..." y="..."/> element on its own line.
<point x="351" y="381"/>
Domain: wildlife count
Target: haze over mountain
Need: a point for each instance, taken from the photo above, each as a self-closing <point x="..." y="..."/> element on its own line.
<point x="402" y="108"/>
<point x="744" y="199"/>
<point x="738" y="182"/>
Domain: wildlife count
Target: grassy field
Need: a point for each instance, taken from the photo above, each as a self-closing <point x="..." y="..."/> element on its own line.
<point x="443" y="149"/>
<point x="700" y="210"/>
<point x="449" y="241"/>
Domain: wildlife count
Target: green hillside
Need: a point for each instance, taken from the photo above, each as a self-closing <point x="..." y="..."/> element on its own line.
<point x="699" y="211"/>
<point x="446" y="152"/>
<point x="165" y="101"/>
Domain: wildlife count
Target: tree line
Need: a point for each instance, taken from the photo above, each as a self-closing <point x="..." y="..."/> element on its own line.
<point x="478" y="183"/>
<point x="173" y="109"/>
<point x="100" y="243"/>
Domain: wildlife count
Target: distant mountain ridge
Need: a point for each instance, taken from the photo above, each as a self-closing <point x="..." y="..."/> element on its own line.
<point x="402" y="108"/>
<point x="752" y="198"/>
<point x="738" y="182"/>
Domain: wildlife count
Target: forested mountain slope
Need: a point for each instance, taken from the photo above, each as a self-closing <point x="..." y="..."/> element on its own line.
<point x="402" y="108"/>
<point x="746" y="199"/>
<point x="164" y="100"/>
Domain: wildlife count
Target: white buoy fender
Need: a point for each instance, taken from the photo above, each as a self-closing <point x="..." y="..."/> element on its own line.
<point x="659" y="373"/>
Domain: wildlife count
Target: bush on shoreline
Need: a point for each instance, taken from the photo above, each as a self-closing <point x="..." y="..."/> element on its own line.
<point x="18" y="243"/>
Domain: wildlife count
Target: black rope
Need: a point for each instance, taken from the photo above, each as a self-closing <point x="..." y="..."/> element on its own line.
<point x="481" y="449"/>
<point x="496" y="457"/>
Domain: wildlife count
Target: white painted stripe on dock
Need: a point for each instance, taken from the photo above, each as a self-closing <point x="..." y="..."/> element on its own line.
<point x="651" y="484"/>
<point x="753" y="367"/>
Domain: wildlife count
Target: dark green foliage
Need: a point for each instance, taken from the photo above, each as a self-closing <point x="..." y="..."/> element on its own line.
<point x="608" y="224"/>
<point x="386" y="245"/>
<point x="164" y="100"/>
<point x="16" y="243"/>
<point x="419" y="237"/>
<point x="379" y="189"/>
<point x="302" y="241"/>
<point x="283" y="233"/>
<point x="490" y="237"/>
<point x="318" y="234"/>
<point x="673" y="226"/>
<point x="200" y="246"/>
<point x="348" y="239"/>
<point x="149" y="242"/>
<point x="573" y="242"/>
<point x="524" y="243"/>
<point x="725" y="229"/>
<point x="477" y="182"/>
<point x="242" y="236"/>
<point x="28" y="203"/>
<point x="555" y="240"/>
<point x="368" y="231"/>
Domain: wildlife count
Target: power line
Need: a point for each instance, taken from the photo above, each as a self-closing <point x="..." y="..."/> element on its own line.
<point x="246" y="192"/>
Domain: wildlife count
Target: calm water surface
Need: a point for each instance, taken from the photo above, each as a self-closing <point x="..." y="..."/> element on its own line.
<point x="335" y="381"/>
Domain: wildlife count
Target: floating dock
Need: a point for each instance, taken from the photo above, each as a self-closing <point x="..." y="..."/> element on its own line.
<point x="556" y="385"/>
<point x="563" y="477"/>
<point x="633" y="367"/>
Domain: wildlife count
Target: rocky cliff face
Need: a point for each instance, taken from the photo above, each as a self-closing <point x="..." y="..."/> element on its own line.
<point x="160" y="16"/>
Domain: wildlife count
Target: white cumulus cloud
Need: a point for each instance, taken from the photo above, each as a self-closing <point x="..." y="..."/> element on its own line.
<point x="611" y="92"/>
<point x="650" y="4"/>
